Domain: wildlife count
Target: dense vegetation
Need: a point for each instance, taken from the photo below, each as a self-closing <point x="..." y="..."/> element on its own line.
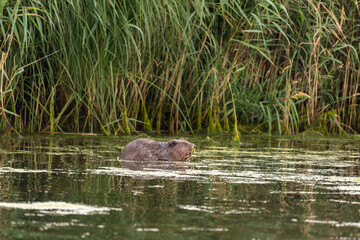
<point x="116" y="66"/>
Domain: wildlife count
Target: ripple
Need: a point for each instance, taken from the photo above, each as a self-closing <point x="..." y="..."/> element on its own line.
<point x="59" y="208"/>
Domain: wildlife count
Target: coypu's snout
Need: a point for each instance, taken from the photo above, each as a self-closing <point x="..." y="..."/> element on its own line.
<point x="193" y="147"/>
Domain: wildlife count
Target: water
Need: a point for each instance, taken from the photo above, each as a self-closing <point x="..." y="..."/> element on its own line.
<point x="78" y="188"/>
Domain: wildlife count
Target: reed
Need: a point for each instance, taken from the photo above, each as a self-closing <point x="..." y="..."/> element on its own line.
<point x="117" y="67"/>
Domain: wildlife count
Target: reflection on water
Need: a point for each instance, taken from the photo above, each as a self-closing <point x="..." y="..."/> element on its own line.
<point x="58" y="208"/>
<point x="71" y="188"/>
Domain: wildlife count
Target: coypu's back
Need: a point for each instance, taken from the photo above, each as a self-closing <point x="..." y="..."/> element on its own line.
<point x="148" y="149"/>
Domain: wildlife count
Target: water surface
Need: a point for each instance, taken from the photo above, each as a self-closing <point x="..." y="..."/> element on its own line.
<point x="62" y="187"/>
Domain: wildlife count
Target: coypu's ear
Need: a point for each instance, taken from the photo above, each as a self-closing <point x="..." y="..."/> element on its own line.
<point x="172" y="143"/>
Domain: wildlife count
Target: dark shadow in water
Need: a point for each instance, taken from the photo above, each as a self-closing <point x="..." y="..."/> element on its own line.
<point x="153" y="166"/>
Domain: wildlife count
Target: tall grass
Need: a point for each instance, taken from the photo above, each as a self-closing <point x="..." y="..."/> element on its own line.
<point x="116" y="67"/>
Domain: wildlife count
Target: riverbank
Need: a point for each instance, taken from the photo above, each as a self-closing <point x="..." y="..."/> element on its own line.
<point x="115" y="68"/>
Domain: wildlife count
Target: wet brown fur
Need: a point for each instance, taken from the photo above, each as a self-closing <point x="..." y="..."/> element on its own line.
<point x="148" y="149"/>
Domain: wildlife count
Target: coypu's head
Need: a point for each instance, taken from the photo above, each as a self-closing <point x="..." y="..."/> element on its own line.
<point x="178" y="150"/>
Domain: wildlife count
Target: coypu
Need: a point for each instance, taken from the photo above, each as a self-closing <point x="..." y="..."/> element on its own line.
<point x="148" y="149"/>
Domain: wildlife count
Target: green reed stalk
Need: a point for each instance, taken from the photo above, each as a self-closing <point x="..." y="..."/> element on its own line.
<point x="106" y="65"/>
